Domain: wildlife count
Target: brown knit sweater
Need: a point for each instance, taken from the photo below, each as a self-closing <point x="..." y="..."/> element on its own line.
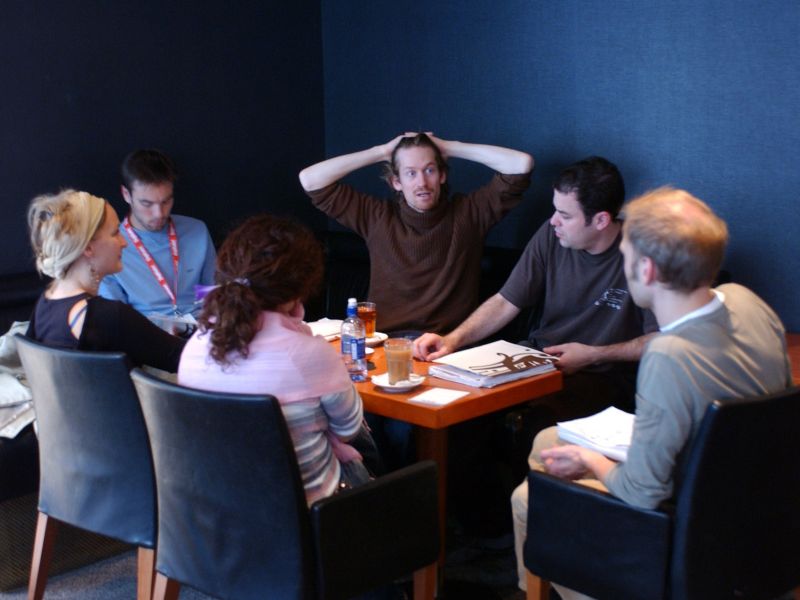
<point x="425" y="267"/>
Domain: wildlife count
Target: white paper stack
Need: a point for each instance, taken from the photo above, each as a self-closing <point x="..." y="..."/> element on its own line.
<point x="492" y="364"/>
<point x="608" y="432"/>
<point x="327" y="328"/>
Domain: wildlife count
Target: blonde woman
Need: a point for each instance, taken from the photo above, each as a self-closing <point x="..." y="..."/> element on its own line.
<point x="76" y="241"/>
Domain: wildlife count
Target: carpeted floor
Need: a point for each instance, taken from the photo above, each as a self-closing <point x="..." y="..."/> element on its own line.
<point x="110" y="579"/>
<point x="472" y="572"/>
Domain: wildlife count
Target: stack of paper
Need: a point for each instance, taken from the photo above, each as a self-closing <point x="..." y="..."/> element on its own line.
<point x="608" y="432"/>
<point x="492" y="364"/>
<point x="327" y="328"/>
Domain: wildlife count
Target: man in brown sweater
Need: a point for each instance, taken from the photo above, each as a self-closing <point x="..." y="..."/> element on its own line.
<point x="425" y="248"/>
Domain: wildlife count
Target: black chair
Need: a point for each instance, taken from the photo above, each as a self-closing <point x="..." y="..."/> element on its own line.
<point x="732" y="532"/>
<point x="95" y="465"/>
<point x="232" y="514"/>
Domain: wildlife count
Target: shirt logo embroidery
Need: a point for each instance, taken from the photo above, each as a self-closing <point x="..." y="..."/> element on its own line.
<point x="613" y="298"/>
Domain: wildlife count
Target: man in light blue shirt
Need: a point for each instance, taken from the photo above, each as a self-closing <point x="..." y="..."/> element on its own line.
<point x="167" y="255"/>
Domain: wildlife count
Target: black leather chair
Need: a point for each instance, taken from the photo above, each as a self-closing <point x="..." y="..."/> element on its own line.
<point x="95" y="465"/>
<point x="732" y="532"/>
<point x="232" y="514"/>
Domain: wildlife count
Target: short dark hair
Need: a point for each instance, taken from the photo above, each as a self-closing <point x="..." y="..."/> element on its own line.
<point x="262" y="264"/>
<point x="390" y="168"/>
<point x="148" y="166"/>
<point x="597" y="183"/>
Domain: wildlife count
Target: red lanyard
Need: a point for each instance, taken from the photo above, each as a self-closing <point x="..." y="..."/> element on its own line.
<point x="151" y="264"/>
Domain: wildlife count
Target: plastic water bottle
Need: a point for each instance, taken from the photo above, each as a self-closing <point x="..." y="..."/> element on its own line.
<point x="354" y="343"/>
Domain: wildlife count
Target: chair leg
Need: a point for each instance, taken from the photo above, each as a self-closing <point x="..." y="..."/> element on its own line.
<point x="166" y="588"/>
<point x="425" y="582"/>
<point x="43" y="543"/>
<point x="538" y="588"/>
<point x="145" y="573"/>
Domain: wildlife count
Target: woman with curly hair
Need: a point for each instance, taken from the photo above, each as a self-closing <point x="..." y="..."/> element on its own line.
<point x="252" y="339"/>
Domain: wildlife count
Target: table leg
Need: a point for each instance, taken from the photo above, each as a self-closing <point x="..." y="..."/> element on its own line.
<point x="432" y="444"/>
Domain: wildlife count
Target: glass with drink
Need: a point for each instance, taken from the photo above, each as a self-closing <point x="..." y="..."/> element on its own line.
<point x="398" y="359"/>
<point x="368" y="313"/>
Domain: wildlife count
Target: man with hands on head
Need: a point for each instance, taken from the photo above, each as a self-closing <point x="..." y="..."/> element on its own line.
<point x="572" y="273"/>
<point x="425" y="248"/>
<point x="715" y="344"/>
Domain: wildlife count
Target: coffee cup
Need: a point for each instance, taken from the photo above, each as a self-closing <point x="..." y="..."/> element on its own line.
<point x="398" y="359"/>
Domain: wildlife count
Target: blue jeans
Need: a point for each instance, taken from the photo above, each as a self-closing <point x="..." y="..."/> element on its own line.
<point x="395" y="440"/>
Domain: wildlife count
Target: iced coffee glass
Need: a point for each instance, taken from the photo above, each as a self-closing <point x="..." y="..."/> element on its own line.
<point x="398" y="359"/>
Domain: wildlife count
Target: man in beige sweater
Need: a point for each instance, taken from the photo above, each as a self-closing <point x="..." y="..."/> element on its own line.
<point x="714" y="344"/>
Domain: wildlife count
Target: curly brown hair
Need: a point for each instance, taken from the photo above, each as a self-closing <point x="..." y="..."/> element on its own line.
<point x="265" y="262"/>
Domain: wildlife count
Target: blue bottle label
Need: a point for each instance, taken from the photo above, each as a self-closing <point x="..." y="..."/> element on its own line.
<point x="357" y="348"/>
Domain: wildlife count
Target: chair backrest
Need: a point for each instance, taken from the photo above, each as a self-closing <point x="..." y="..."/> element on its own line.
<point x="737" y="520"/>
<point x="232" y="514"/>
<point x="377" y="532"/>
<point x="95" y="465"/>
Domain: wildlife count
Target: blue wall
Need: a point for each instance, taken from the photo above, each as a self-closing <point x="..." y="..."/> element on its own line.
<point x="701" y="95"/>
<point x="234" y="94"/>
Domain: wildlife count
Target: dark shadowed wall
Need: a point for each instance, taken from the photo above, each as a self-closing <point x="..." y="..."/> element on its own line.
<point x="700" y="95"/>
<point x="232" y="91"/>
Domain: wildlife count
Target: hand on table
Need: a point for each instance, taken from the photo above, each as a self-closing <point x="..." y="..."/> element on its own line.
<point x="430" y="346"/>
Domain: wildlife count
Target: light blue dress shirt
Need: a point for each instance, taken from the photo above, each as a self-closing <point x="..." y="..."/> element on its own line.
<point x="136" y="284"/>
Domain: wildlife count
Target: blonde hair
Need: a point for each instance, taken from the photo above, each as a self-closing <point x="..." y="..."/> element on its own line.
<point x="680" y="234"/>
<point x="61" y="226"/>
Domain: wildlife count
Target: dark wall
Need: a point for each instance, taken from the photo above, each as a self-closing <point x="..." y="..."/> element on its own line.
<point x="700" y="95"/>
<point x="232" y="91"/>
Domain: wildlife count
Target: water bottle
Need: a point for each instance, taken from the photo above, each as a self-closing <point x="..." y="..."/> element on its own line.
<point x="354" y="343"/>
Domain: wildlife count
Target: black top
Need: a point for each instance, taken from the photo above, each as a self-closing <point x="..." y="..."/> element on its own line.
<point x="109" y="326"/>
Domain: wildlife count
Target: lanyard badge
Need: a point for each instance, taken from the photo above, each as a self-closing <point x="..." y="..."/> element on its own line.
<point x="151" y="264"/>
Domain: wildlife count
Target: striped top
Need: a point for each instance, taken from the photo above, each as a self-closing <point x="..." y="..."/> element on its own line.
<point x="308" y="378"/>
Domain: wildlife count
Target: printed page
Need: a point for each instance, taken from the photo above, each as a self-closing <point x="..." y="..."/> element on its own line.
<point x="498" y="358"/>
<point x="608" y="432"/>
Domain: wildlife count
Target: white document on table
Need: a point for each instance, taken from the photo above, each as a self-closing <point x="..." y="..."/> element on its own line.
<point x="327" y="328"/>
<point x="438" y="396"/>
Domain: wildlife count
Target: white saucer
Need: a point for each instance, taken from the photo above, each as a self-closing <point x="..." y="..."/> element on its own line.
<point x="368" y="351"/>
<point x="376" y="340"/>
<point x="382" y="381"/>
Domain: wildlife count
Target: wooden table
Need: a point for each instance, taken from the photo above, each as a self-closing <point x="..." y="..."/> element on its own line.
<point x="432" y="421"/>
